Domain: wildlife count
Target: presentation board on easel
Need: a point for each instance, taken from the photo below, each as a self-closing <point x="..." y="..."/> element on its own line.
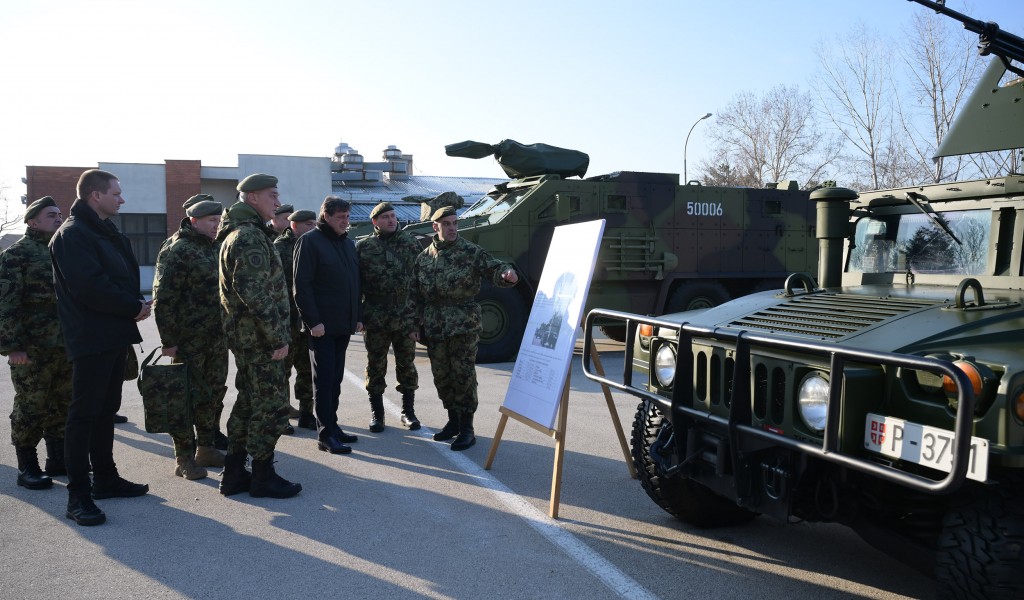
<point x="545" y="354"/>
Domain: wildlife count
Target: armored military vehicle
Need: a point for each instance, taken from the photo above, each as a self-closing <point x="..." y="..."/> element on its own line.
<point x="666" y="247"/>
<point x="887" y="396"/>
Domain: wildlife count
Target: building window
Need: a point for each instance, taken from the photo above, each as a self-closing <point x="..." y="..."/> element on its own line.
<point x="146" y="232"/>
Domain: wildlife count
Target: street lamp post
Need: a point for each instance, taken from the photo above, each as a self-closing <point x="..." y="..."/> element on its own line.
<point x="687" y="142"/>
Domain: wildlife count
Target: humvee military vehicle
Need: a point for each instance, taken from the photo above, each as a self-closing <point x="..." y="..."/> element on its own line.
<point x="666" y="247"/>
<point x="888" y="396"/>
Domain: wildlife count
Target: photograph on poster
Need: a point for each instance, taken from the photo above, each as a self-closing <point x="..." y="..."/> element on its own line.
<point x="547" y="347"/>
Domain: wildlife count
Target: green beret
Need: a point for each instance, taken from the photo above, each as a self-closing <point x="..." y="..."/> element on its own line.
<point x="383" y="207"/>
<point x="205" y="208"/>
<point x="444" y="211"/>
<point x="302" y="215"/>
<point x="285" y="209"/>
<point x="36" y="207"/>
<point x="196" y="200"/>
<point x="257" y="182"/>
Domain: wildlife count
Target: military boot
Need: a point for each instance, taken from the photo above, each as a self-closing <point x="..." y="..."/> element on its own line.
<point x="235" y="479"/>
<point x="187" y="468"/>
<point x="307" y="421"/>
<point x="55" y="457"/>
<point x="208" y="456"/>
<point x="408" y="415"/>
<point x="376" y="413"/>
<point x="266" y="483"/>
<point x="450" y="429"/>
<point x="466" y="437"/>
<point x="29" y="474"/>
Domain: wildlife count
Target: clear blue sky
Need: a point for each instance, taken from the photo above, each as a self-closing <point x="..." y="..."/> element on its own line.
<point x="142" y="81"/>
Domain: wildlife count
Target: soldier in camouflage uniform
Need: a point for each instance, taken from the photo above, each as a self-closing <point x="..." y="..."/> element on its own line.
<point x="31" y="339"/>
<point x="446" y="281"/>
<point x="385" y="271"/>
<point x="279" y="222"/>
<point x="298" y="350"/>
<point x="254" y="302"/>
<point x="186" y="305"/>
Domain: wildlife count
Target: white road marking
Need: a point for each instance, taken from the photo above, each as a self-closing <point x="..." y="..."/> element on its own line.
<point x="609" y="574"/>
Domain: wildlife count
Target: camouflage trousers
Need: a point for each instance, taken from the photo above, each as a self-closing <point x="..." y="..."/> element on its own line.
<point x="298" y="357"/>
<point x="42" y="394"/>
<point x="377" y="342"/>
<point x="260" y="413"/>
<point x="207" y="372"/>
<point x="453" y="365"/>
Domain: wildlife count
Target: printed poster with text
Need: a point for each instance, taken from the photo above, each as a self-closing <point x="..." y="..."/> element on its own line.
<point x="550" y="336"/>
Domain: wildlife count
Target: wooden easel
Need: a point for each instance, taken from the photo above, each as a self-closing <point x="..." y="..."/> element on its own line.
<point x="558" y="433"/>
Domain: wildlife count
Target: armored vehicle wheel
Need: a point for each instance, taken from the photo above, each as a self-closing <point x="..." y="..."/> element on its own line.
<point x="503" y="314"/>
<point x="694" y="295"/>
<point x="678" y="496"/>
<point x="980" y="552"/>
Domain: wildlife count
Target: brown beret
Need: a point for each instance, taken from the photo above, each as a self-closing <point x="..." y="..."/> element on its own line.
<point x="205" y="208"/>
<point x="302" y="215"/>
<point x="383" y="207"/>
<point x="257" y="182"/>
<point x="196" y="200"/>
<point x="36" y="207"/>
<point x="284" y="209"/>
<point x="444" y="211"/>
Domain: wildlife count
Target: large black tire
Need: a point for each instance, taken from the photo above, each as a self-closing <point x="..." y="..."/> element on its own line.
<point x="680" y="497"/>
<point x="503" y="313"/>
<point x="980" y="552"/>
<point x="693" y="295"/>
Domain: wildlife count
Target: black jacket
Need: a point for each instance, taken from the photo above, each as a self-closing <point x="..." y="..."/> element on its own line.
<point x="326" y="278"/>
<point x="96" y="278"/>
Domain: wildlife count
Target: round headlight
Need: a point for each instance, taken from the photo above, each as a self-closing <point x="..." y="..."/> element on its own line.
<point x="665" y="365"/>
<point x="813" y="397"/>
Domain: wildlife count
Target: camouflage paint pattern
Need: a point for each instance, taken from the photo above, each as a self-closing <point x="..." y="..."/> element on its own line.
<point x="447" y="279"/>
<point x="254" y="303"/>
<point x="386" y="276"/>
<point x="28" y="322"/>
<point x="298" y="348"/>
<point x="658" y="235"/>
<point x="42" y="394"/>
<point x="186" y="307"/>
<point x="454" y="371"/>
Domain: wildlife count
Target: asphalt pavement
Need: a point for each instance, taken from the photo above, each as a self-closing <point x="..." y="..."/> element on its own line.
<point x="405" y="517"/>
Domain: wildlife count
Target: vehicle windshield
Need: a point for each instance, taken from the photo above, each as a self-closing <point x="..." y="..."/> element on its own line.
<point x="495" y="205"/>
<point x="898" y="243"/>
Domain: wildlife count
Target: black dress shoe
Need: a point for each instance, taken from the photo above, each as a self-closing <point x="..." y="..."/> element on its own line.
<point x="120" y="419"/>
<point x="118" y="487"/>
<point x="332" y="445"/>
<point x="84" y="511"/>
<point x="347" y="438"/>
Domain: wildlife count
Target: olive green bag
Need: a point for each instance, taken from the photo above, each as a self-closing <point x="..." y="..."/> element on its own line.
<point x="166" y="395"/>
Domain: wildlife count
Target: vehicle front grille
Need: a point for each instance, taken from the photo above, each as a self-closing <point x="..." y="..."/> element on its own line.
<point x="829" y="316"/>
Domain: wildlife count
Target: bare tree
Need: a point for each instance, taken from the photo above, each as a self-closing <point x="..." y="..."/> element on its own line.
<point x="943" y="66"/>
<point x="855" y="93"/>
<point x="10" y="218"/>
<point x="758" y="139"/>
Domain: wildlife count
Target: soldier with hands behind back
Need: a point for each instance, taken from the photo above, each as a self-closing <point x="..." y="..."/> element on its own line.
<point x="31" y="339"/>
<point x="254" y="303"/>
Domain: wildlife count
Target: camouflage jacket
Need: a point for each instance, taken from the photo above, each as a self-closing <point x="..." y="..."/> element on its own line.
<point x="186" y="304"/>
<point x="385" y="276"/>
<point x="447" y="279"/>
<point x="253" y="292"/>
<point x="28" y="304"/>
<point x="285" y="246"/>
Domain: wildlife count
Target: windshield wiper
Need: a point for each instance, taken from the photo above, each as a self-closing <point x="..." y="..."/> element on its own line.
<point x="921" y="204"/>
